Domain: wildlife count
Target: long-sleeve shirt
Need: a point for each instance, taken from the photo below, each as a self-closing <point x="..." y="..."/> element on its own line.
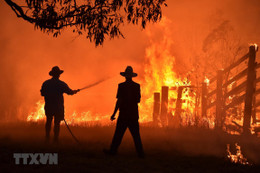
<point x="129" y="96"/>
<point x="53" y="90"/>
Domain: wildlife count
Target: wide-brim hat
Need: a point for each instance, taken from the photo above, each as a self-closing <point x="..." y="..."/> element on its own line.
<point x="128" y="72"/>
<point x="55" y="71"/>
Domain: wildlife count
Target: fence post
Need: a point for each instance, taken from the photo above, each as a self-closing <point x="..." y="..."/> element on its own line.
<point x="235" y="108"/>
<point x="204" y="93"/>
<point x="179" y="103"/>
<point x="164" y="104"/>
<point x="197" y="104"/>
<point x="249" y="90"/>
<point x="156" y="107"/>
<point x="254" y="110"/>
<point x="254" y="98"/>
<point x="219" y="100"/>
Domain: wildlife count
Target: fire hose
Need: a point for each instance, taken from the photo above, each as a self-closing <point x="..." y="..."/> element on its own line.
<point x="93" y="84"/>
<point x="74" y="137"/>
<point x="88" y="86"/>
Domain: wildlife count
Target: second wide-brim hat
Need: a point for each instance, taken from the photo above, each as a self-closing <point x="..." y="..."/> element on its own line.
<point x="128" y="72"/>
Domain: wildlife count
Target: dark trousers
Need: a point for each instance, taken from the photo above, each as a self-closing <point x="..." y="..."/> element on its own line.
<point x="121" y="127"/>
<point x="56" y="127"/>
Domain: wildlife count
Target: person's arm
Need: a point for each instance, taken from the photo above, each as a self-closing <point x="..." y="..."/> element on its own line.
<point x="43" y="90"/>
<point x="118" y="96"/>
<point x="69" y="91"/>
<point x="115" y="111"/>
<point x="72" y="92"/>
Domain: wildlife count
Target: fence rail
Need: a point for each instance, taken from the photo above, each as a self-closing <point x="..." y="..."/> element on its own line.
<point x="247" y="86"/>
<point x="207" y="101"/>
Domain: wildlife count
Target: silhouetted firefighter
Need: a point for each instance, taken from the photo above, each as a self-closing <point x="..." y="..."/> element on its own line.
<point x="53" y="90"/>
<point x="128" y="97"/>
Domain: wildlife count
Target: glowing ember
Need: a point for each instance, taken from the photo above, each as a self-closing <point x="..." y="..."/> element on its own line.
<point x="255" y="45"/>
<point x="238" y="157"/>
<point x="206" y="80"/>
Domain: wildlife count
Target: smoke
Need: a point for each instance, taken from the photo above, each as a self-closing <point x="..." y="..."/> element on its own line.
<point x="27" y="55"/>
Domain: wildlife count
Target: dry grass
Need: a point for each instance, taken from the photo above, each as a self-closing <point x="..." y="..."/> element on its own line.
<point x="167" y="150"/>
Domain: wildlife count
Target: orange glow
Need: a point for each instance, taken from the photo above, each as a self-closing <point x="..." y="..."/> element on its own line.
<point x="159" y="71"/>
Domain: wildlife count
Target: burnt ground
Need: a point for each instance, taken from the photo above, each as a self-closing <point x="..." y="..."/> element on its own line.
<point x="167" y="150"/>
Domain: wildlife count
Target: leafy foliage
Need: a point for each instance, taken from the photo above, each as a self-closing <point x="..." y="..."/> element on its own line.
<point x="97" y="18"/>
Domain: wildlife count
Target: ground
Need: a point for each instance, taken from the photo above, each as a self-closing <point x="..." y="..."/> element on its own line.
<point x="167" y="150"/>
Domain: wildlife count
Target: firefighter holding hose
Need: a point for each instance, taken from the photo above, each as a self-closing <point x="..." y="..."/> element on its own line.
<point x="52" y="90"/>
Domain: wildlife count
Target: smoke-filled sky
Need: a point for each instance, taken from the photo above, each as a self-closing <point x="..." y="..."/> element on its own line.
<point x="27" y="55"/>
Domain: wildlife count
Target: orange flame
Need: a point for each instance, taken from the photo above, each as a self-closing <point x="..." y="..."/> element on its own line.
<point x="159" y="71"/>
<point x="39" y="114"/>
<point x="84" y="118"/>
<point x="238" y="157"/>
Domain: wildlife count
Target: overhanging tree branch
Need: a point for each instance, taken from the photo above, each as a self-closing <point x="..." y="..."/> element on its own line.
<point x="97" y="18"/>
<point x="19" y="11"/>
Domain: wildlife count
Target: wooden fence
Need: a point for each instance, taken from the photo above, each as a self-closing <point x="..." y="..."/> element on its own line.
<point x="245" y="92"/>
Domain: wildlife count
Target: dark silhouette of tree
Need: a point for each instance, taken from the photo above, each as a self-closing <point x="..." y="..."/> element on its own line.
<point x="97" y="18"/>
